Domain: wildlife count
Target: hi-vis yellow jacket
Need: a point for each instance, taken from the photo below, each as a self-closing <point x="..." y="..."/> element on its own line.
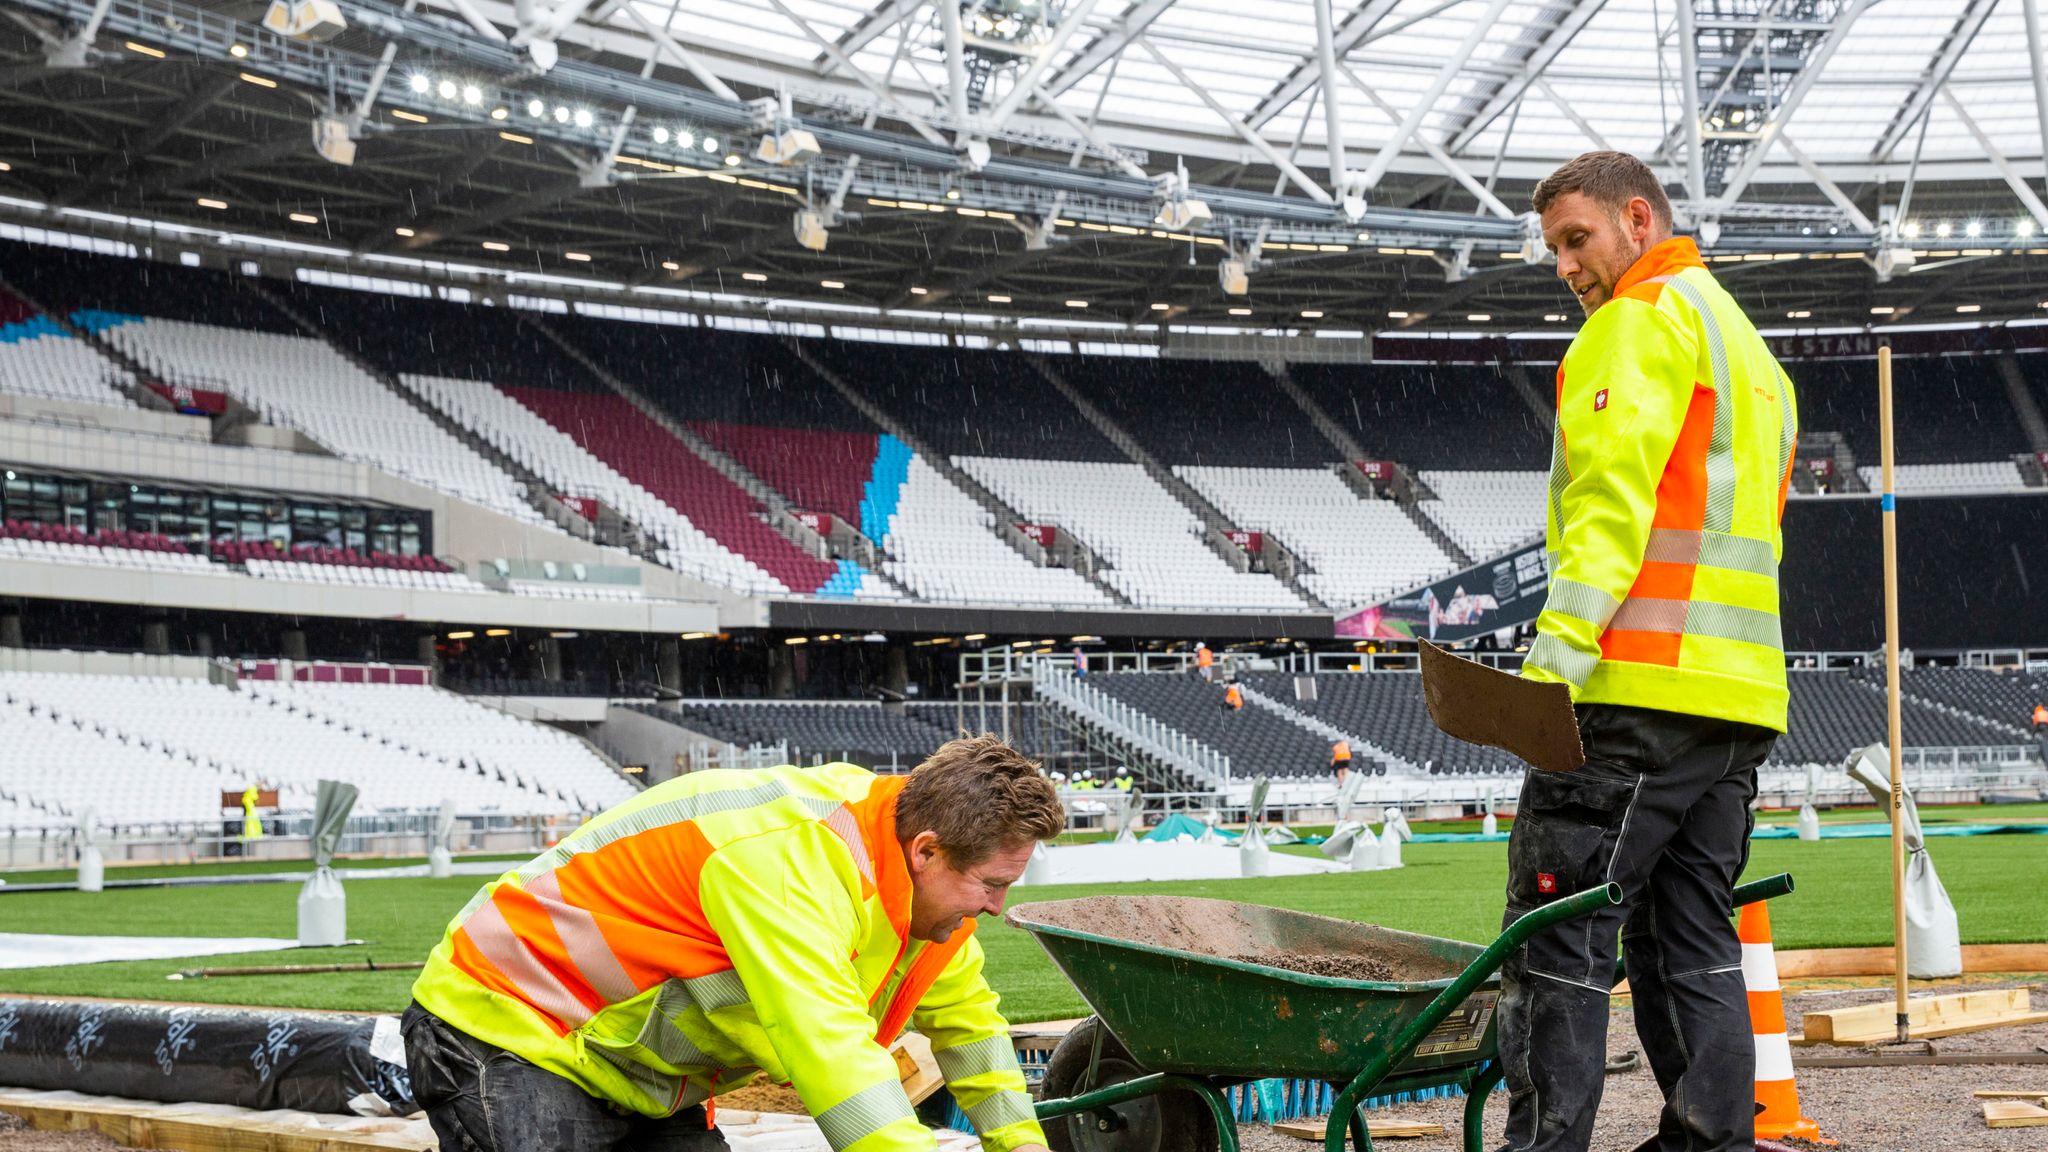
<point x="725" y="924"/>
<point x="1668" y="475"/>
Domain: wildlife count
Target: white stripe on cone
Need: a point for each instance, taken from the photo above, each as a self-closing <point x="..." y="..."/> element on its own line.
<point x="1759" y="968"/>
<point x="1773" y="1057"/>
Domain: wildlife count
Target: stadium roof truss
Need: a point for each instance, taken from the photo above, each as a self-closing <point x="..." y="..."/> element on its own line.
<point x="1344" y="155"/>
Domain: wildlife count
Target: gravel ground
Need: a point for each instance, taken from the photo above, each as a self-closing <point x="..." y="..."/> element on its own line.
<point x="1866" y="1109"/>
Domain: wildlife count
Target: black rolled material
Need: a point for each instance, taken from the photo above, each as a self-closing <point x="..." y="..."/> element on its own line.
<point x="308" y="1062"/>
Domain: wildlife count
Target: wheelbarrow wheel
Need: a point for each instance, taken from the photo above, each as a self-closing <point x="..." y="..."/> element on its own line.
<point x="1170" y="1122"/>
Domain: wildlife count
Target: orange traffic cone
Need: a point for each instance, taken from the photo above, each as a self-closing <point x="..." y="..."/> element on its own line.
<point x="1777" y="1096"/>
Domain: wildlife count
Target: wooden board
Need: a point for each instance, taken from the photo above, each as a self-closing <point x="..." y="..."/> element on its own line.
<point x="2038" y="1095"/>
<point x="1380" y="1129"/>
<point x="2013" y="1020"/>
<point x="1928" y="1016"/>
<point x="2014" y="1114"/>
<point x="916" y="1067"/>
<point x="1813" y="962"/>
<point x="164" y="1126"/>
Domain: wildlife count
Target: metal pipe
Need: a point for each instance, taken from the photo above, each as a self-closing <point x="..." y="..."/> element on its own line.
<point x="2031" y="10"/>
<point x="1333" y="121"/>
<point x="956" y="64"/>
<point x="1451" y="70"/>
<point x="1689" y="86"/>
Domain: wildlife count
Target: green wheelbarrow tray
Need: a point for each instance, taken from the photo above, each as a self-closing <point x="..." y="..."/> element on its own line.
<point x="1194" y="1020"/>
<point x="1170" y="991"/>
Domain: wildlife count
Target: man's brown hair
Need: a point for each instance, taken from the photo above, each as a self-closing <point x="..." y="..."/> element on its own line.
<point x="979" y="795"/>
<point x="1609" y="179"/>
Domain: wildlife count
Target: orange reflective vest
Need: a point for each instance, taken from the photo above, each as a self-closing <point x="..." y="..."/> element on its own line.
<point x="2040" y="714"/>
<point x="1669" y="470"/>
<point x="726" y="924"/>
<point x="1340" y="752"/>
<point x="1233" y="697"/>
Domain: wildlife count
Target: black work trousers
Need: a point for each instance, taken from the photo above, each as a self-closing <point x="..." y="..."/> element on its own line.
<point x="480" y="1098"/>
<point x="1662" y="809"/>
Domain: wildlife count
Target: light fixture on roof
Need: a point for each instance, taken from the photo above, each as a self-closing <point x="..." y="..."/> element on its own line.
<point x="420" y="83"/>
<point x="660" y="134"/>
<point x="472" y="95"/>
<point x="238" y="51"/>
<point x="1162" y="307"/>
<point x="1554" y="317"/>
<point x="754" y="277"/>
<point x="999" y="299"/>
<point x="2024" y="228"/>
<point x="1883" y="310"/>
<point x="144" y="50"/>
<point x="1233" y="275"/>
<point x="209" y="202"/>
<point x="671" y="266"/>
<point x="311" y="20"/>
<point x="1397" y="315"/>
<point x="1942" y="229"/>
<point x="710" y="143"/>
<point x="500" y="112"/>
<point x="446" y="89"/>
<point x="496" y="246"/>
<point x="578" y="257"/>
<point x="1800" y="314"/>
<point x="1240" y="311"/>
<point x="1311" y="314"/>
<point x="303" y="218"/>
<point x="536" y="109"/>
<point x="685" y="138"/>
<point x="259" y="81"/>
<point x="952" y="193"/>
<point x="1968" y="308"/>
<point x="918" y="291"/>
<point x="732" y="160"/>
<point x="1911" y="230"/>
<point x="1479" y="317"/>
<point x="561" y="114"/>
<point x="1178" y="210"/>
<point x="831" y="284"/>
<point x="404" y="231"/>
<point x="583" y="118"/>
<point x="1974" y="229"/>
<point x="1077" y="303"/>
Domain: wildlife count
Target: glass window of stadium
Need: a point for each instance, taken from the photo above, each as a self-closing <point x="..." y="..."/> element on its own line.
<point x="194" y="517"/>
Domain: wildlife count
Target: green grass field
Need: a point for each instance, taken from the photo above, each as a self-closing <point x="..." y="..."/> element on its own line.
<point x="1446" y="890"/>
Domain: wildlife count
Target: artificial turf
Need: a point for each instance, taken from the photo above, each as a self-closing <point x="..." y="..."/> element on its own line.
<point x="1843" y="899"/>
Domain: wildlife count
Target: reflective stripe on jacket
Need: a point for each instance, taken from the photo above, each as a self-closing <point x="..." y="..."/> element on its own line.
<point x="1668" y="475"/>
<point x="726" y="923"/>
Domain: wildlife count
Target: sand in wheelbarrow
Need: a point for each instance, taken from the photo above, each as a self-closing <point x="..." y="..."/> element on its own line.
<point x="1250" y="933"/>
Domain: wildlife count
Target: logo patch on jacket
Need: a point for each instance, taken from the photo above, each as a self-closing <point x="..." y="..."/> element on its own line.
<point x="1546" y="882"/>
<point x="1600" y="400"/>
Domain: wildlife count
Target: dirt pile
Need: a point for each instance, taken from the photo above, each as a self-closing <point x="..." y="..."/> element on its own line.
<point x="1338" y="965"/>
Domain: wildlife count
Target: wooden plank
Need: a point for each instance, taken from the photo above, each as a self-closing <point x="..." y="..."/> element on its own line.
<point x="2013" y="1020"/>
<point x="1380" y="1129"/>
<point x="916" y="1067"/>
<point x="166" y="1127"/>
<point x="1817" y="962"/>
<point x="2014" y="1114"/>
<point x="1839" y="1025"/>
<point x="2011" y="1093"/>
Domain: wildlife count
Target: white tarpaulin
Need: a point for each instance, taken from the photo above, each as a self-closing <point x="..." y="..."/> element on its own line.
<point x="30" y="950"/>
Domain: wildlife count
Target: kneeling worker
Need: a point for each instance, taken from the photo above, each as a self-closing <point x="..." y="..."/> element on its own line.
<point x="787" y="922"/>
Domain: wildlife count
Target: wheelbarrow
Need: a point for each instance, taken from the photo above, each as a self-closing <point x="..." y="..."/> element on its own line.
<point x="1188" y="1012"/>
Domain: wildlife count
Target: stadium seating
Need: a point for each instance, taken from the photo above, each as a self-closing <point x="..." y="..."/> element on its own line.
<point x="305" y="385"/>
<point x="54" y="544"/>
<point x="1217" y="414"/>
<point x="556" y="457"/>
<point x="1486" y="513"/>
<point x="1834" y="713"/>
<point x="1259" y="742"/>
<point x="39" y="359"/>
<point x="609" y="427"/>
<point x="1387" y="709"/>
<point x="362" y="576"/>
<point x="1945" y="408"/>
<point x="945" y="547"/>
<point x="1946" y="479"/>
<point x="1361" y="550"/>
<point x="1433" y="415"/>
<point x="156" y="750"/>
<point x="867" y="733"/>
<point x="819" y="470"/>
<point x="2005" y="700"/>
<point x="404" y="335"/>
<point x="969" y="403"/>
<point x="1153" y="544"/>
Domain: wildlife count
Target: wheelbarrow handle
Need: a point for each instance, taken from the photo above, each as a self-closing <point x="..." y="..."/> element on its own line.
<point x="1768" y="888"/>
<point x="1478" y="972"/>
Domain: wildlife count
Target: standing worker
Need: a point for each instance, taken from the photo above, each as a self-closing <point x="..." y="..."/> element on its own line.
<point x="1669" y="468"/>
<point x="1233" y="699"/>
<point x="252" y="824"/>
<point x="2041" y="729"/>
<point x="1205" y="662"/>
<point x="1340" y="760"/>
<point x="781" y="921"/>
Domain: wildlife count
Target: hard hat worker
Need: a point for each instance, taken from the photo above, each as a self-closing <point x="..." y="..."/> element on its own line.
<point x="1669" y="468"/>
<point x="785" y="922"/>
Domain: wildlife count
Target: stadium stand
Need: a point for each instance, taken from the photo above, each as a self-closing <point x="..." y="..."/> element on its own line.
<point x="1387" y="709"/>
<point x="1947" y="408"/>
<point x="57" y="544"/>
<point x="969" y="403"/>
<point x="402" y="334"/>
<point x="945" y="547"/>
<point x="1221" y="415"/>
<point x="1486" y="512"/>
<point x="40" y="359"/>
<point x="406" y="748"/>
<point x="1361" y="550"/>
<point x="316" y="573"/>
<point x="305" y="385"/>
<point x="1153" y="544"/>
<point x="1834" y="713"/>
<point x="609" y="427"/>
<point x="555" y="456"/>
<point x="867" y="732"/>
<point x="1449" y="416"/>
<point x="72" y="283"/>
<point x="1257" y="740"/>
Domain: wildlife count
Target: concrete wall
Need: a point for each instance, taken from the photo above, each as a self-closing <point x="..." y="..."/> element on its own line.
<point x="65" y="413"/>
<point x="634" y="738"/>
<point x="102" y="663"/>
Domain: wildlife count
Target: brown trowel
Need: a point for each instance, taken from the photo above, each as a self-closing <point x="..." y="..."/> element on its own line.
<point x="1482" y="705"/>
